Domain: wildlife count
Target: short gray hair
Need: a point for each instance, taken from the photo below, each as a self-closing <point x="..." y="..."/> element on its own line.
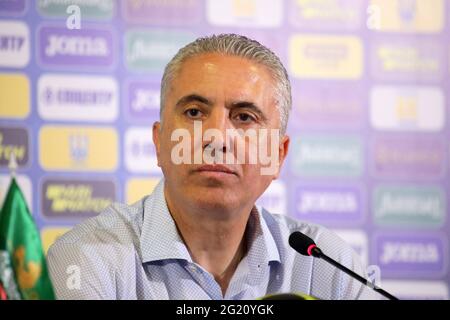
<point x="235" y="45"/>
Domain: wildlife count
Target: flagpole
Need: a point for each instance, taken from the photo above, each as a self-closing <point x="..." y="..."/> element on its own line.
<point x="12" y="166"/>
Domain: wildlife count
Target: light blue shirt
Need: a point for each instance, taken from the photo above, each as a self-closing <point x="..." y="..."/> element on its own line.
<point x="136" y="252"/>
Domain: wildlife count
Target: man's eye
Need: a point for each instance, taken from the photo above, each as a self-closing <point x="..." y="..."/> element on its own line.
<point x="245" y="117"/>
<point x="193" y="113"/>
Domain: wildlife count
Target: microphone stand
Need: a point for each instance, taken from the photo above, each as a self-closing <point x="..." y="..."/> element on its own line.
<point x="316" y="252"/>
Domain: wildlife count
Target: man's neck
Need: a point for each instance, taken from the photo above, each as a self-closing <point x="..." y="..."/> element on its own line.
<point x="216" y="245"/>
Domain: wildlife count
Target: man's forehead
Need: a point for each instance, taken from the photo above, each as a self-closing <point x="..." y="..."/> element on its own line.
<point x="211" y="63"/>
<point x="212" y="72"/>
<point x="224" y="79"/>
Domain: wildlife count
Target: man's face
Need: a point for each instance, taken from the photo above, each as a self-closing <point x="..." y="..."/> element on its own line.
<point x="222" y="93"/>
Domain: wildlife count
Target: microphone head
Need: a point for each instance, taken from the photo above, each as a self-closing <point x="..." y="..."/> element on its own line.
<point x="288" y="296"/>
<point x="301" y="243"/>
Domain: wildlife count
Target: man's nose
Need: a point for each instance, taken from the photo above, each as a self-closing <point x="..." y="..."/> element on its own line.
<point x="219" y="121"/>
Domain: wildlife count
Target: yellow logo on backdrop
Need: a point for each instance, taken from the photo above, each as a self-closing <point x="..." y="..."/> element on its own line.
<point x="405" y="58"/>
<point x="425" y="16"/>
<point x="244" y="8"/>
<point x="78" y="148"/>
<point x="406" y="109"/>
<point x="326" y="56"/>
<point x="325" y="10"/>
<point x="137" y="188"/>
<point x="50" y="235"/>
<point x="19" y="150"/>
<point x="14" y="96"/>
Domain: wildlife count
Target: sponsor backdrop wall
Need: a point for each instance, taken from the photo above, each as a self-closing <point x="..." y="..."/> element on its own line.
<point x="370" y="151"/>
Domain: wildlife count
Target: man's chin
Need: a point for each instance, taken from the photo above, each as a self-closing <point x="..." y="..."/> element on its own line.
<point x="214" y="198"/>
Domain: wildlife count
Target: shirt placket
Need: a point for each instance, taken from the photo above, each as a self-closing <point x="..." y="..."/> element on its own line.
<point x="205" y="281"/>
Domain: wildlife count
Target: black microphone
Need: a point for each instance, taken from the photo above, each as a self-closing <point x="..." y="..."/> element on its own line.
<point x="307" y="247"/>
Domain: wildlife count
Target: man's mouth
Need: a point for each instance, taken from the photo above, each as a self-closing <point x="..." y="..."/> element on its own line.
<point x="216" y="168"/>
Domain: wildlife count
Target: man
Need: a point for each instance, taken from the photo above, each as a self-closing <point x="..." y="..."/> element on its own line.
<point x="199" y="234"/>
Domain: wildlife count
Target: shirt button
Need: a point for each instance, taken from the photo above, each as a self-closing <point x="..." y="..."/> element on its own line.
<point x="192" y="268"/>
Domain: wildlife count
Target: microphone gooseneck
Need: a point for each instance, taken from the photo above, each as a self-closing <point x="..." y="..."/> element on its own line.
<point x="307" y="247"/>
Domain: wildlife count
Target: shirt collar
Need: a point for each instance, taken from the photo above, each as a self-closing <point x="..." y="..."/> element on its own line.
<point x="160" y="239"/>
<point x="260" y="241"/>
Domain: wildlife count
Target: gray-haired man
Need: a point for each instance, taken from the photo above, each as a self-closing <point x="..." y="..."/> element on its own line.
<point x="199" y="234"/>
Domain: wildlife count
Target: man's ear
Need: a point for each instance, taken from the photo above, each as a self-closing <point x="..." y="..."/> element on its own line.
<point x="282" y="153"/>
<point x="156" y="139"/>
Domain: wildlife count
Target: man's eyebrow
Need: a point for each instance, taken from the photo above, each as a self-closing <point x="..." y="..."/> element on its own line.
<point x="193" y="98"/>
<point x="248" y="105"/>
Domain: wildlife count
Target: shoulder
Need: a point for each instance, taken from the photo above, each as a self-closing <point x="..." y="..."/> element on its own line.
<point x="97" y="249"/>
<point x="281" y="226"/>
<point x="326" y="281"/>
<point x="117" y="224"/>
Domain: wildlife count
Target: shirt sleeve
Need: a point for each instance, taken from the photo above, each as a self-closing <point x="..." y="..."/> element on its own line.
<point x="80" y="272"/>
<point x="356" y="290"/>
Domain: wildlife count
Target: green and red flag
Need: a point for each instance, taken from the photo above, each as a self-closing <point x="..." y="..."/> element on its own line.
<point x="23" y="270"/>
